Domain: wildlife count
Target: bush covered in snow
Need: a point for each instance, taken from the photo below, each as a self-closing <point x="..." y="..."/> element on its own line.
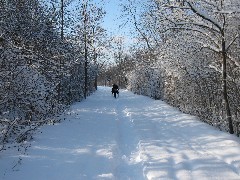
<point x="189" y="57"/>
<point x="40" y="72"/>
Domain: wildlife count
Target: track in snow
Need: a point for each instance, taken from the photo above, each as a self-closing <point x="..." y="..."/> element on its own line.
<point x="131" y="137"/>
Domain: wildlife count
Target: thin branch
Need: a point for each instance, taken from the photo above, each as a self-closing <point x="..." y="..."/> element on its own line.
<point x="175" y="7"/>
<point x="190" y="29"/>
<point x="193" y="8"/>
<point x="199" y="25"/>
<point x="232" y="42"/>
<point x="142" y="34"/>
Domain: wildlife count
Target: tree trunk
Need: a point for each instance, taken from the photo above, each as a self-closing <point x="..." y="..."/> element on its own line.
<point x="86" y="74"/>
<point x="62" y="18"/>
<point x="95" y="82"/>
<point x="225" y="95"/>
<point x="85" y="53"/>
<point x="85" y="66"/>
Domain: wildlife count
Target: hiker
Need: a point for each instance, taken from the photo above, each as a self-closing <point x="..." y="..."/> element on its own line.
<point x="115" y="90"/>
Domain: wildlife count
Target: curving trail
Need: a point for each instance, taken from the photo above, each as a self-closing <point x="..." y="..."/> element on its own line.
<point x="131" y="137"/>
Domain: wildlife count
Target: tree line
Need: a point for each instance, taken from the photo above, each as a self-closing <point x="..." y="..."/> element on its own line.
<point x="187" y="54"/>
<point x="47" y="61"/>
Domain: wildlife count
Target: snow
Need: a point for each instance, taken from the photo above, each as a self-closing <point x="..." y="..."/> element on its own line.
<point x="205" y="16"/>
<point x="131" y="137"/>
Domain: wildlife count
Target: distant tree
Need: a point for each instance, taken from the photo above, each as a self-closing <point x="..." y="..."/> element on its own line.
<point x="40" y="72"/>
<point x="209" y="21"/>
<point x="188" y="39"/>
<point x="91" y="35"/>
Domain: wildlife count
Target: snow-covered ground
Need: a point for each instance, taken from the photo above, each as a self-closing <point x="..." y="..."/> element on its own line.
<point x="131" y="137"/>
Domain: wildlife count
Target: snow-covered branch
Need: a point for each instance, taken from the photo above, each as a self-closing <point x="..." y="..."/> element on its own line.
<point x="204" y="16"/>
<point x="210" y="38"/>
<point x="234" y="39"/>
<point x="205" y="26"/>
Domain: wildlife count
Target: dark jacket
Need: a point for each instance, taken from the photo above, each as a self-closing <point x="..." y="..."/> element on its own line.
<point x="115" y="86"/>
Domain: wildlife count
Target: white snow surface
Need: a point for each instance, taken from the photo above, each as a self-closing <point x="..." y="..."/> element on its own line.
<point x="131" y="137"/>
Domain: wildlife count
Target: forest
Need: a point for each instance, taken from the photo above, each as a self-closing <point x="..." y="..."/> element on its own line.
<point x="185" y="53"/>
<point x="47" y="61"/>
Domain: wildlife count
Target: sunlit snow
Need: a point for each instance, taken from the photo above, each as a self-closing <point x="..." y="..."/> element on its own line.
<point x="131" y="137"/>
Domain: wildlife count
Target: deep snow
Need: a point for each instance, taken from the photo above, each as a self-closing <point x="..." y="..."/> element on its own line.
<point x="131" y="137"/>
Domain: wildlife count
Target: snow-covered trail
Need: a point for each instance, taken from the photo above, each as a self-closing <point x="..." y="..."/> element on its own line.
<point x="131" y="137"/>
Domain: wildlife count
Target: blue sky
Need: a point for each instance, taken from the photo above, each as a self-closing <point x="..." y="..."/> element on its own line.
<point x="113" y="19"/>
<point x="113" y="12"/>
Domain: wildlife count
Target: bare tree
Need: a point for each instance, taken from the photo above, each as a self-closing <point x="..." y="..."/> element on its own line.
<point x="180" y="34"/>
<point x="91" y="35"/>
